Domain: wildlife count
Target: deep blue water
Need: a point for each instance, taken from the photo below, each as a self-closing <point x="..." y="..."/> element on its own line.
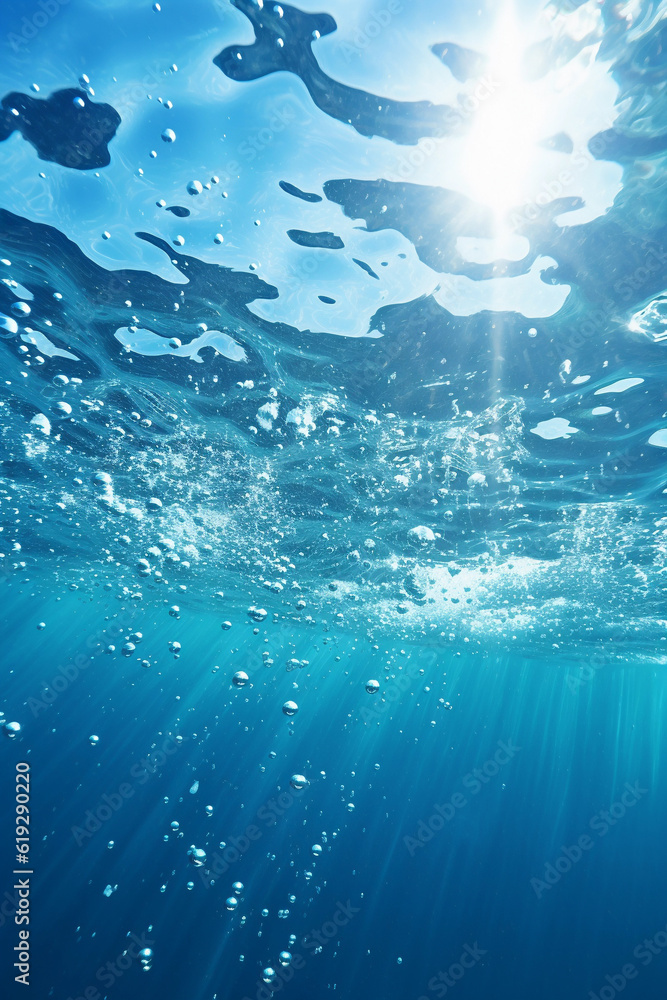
<point x="332" y="343"/>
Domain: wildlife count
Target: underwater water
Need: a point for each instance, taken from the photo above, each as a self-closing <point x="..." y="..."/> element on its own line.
<point x="334" y="542"/>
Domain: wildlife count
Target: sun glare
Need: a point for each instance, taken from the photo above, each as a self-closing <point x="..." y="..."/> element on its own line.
<point x="500" y="148"/>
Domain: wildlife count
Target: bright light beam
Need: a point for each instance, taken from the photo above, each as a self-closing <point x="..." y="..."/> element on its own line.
<point x="500" y="149"/>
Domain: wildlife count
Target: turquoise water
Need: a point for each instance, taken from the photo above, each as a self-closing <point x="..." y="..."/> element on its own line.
<point x="333" y="429"/>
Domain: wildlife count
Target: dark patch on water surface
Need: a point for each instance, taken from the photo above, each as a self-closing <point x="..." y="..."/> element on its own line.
<point x="559" y="143"/>
<point x="72" y="134"/>
<point x="431" y="218"/>
<point x="93" y="300"/>
<point x="178" y="210"/>
<point x="630" y="270"/>
<point x="434" y="218"/>
<point x="324" y="241"/>
<point x="549" y="54"/>
<point x="641" y="63"/>
<point x="613" y="144"/>
<point x="213" y="281"/>
<point x="463" y="64"/>
<point x="365" y="267"/>
<point x="284" y="43"/>
<point x="298" y="193"/>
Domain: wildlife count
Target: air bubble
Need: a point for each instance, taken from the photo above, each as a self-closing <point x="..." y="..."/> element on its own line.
<point x="197" y="856"/>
